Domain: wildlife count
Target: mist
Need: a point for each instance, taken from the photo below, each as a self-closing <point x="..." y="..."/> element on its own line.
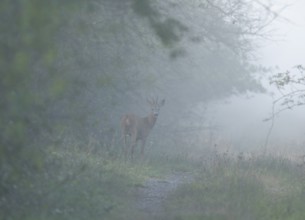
<point x="242" y="123"/>
<point x="242" y="117"/>
<point x="142" y="109"/>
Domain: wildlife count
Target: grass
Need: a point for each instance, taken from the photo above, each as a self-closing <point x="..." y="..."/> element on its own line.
<point x="264" y="188"/>
<point x="79" y="184"/>
<point x="76" y="185"/>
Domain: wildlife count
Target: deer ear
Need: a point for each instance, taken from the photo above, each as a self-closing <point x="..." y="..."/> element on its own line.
<point x="162" y="102"/>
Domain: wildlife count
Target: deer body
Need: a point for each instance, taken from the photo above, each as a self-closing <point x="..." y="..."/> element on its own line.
<point x="139" y="128"/>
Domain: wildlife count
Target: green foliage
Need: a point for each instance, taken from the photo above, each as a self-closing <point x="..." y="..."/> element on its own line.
<point x="169" y="31"/>
<point x="77" y="184"/>
<point x="28" y="53"/>
<point x="144" y="8"/>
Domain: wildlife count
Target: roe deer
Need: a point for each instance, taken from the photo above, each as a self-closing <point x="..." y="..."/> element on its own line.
<point x="139" y="128"/>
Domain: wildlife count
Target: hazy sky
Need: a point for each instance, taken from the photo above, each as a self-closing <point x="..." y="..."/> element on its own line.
<point x="242" y="118"/>
<point x="288" y="48"/>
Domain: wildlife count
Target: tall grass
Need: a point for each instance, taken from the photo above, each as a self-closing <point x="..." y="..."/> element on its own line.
<point x="261" y="188"/>
<point x="90" y="182"/>
<point x="79" y="184"/>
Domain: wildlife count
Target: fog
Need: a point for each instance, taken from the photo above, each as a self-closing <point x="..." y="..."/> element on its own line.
<point x="287" y="47"/>
<point x="144" y="109"/>
<point x="243" y="125"/>
<point x="242" y="117"/>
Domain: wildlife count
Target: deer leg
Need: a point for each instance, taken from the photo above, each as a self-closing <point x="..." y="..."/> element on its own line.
<point x="125" y="149"/>
<point x="132" y="149"/>
<point x="133" y="145"/>
<point x="142" y="149"/>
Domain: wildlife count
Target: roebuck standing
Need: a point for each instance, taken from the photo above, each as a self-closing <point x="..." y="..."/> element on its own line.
<point x="139" y="128"/>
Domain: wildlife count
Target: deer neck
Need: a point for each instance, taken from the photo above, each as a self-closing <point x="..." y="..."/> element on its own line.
<point x="151" y="119"/>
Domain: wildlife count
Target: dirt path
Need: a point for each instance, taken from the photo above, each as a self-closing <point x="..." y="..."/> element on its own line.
<point x="151" y="196"/>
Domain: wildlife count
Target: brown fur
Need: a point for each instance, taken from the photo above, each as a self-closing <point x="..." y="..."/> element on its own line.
<point x="138" y="128"/>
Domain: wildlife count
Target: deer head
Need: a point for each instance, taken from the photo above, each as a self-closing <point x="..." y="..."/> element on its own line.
<point x="155" y="106"/>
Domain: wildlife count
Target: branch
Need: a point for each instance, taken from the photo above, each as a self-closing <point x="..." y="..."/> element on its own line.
<point x="290" y="100"/>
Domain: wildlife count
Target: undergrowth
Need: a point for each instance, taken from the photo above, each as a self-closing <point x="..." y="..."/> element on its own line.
<point x="261" y="188"/>
<point x="79" y="184"/>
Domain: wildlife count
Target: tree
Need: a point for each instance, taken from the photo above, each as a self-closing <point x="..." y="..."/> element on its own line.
<point x="30" y="87"/>
<point x="190" y="51"/>
<point x="291" y="87"/>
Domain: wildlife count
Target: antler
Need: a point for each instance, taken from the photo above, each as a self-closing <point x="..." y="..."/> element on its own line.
<point x="152" y="100"/>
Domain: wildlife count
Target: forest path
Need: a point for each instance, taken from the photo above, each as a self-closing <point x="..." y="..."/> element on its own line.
<point x="152" y="194"/>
